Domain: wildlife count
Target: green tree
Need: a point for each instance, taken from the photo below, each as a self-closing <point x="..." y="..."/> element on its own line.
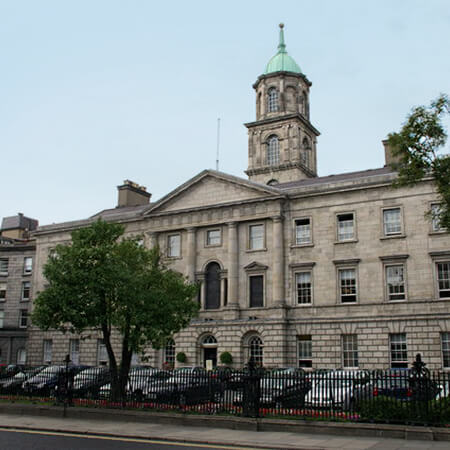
<point x="418" y="146"/>
<point x="103" y="281"/>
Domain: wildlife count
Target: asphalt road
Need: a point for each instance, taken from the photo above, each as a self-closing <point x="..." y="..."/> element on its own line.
<point x="43" y="440"/>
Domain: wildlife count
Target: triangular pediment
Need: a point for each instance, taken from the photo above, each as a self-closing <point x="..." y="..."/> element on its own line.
<point x="211" y="188"/>
<point x="255" y="266"/>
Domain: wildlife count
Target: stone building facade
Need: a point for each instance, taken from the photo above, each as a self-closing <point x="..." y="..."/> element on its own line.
<point x="17" y="251"/>
<point x="295" y="269"/>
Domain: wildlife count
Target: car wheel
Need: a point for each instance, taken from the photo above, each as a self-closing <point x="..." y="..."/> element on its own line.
<point x="217" y="397"/>
<point x="138" y="395"/>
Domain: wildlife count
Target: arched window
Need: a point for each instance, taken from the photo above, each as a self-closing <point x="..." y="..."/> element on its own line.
<point x="272" y="100"/>
<point x="305" y="155"/>
<point x="169" y="353"/>
<point x="272" y="182"/>
<point x="212" y="279"/>
<point x="255" y="350"/>
<point x="273" y="151"/>
<point x="209" y="340"/>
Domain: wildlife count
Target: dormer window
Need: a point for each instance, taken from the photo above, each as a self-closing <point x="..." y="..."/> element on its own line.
<point x="272" y="100"/>
<point x="273" y="151"/>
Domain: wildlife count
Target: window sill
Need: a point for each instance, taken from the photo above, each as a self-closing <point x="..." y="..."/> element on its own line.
<point x="303" y="305"/>
<point x="302" y="245"/>
<point x="393" y="236"/>
<point x="251" y="250"/>
<point x="173" y="257"/>
<point x="348" y="241"/>
<point x="213" y="245"/>
<point x="347" y="303"/>
<point x="25" y="300"/>
<point x="404" y="300"/>
<point x="3" y="274"/>
<point x="438" y="233"/>
<point x="27" y="274"/>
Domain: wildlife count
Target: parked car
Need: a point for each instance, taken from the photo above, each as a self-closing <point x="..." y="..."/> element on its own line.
<point x="142" y="380"/>
<point x="13" y="384"/>
<point x="136" y="377"/>
<point x="400" y="384"/>
<point x="44" y="383"/>
<point x="284" y="388"/>
<point x="88" y="382"/>
<point x="186" y="390"/>
<point x="339" y="389"/>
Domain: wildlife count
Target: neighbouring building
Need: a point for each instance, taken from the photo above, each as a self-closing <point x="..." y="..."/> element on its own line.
<point x="295" y="269"/>
<point x="17" y="250"/>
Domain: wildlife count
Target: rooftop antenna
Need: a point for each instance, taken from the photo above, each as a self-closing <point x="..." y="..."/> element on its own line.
<point x="218" y="142"/>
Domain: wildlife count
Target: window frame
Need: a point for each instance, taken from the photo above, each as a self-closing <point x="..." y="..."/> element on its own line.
<point x="400" y="233"/>
<point x="354" y="234"/>
<point x="23" y="318"/>
<point x="209" y="230"/>
<point x="272" y="150"/>
<point x="71" y="352"/>
<point x="391" y="261"/>
<point x="343" y="268"/>
<point x="350" y="354"/>
<point x="296" y="289"/>
<point x="398" y="363"/>
<point x="26" y="287"/>
<point x="436" y="227"/>
<point x="252" y="275"/>
<point x="259" y="360"/>
<point x="47" y="350"/>
<point x="27" y="268"/>
<point x="445" y="350"/>
<point x="102" y="351"/>
<point x="3" y="290"/>
<point x="2" y="319"/>
<point x="306" y="358"/>
<point x="437" y="280"/>
<point x="169" y="247"/>
<point x="273" y="102"/>
<point x="170" y="352"/>
<point x="250" y="226"/>
<point x="295" y="234"/>
<point x="4" y="266"/>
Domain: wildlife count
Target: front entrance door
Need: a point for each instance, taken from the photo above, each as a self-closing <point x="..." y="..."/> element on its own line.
<point x="210" y="353"/>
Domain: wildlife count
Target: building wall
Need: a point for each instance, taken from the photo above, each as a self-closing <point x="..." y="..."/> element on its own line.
<point x="12" y="336"/>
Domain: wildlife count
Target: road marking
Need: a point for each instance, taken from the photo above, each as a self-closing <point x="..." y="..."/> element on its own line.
<point x="124" y="439"/>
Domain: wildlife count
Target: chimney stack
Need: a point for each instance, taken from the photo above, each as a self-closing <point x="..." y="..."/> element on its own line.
<point x="391" y="160"/>
<point x="131" y="194"/>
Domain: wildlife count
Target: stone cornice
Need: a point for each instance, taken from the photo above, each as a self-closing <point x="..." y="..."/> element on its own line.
<point x="289" y="165"/>
<point x="282" y="119"/>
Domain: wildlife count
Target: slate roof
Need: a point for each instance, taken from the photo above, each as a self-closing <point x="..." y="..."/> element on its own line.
<point x="342" y="177"/>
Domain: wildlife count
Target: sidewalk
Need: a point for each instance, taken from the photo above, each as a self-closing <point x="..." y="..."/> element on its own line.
<point x="209" y="435"/>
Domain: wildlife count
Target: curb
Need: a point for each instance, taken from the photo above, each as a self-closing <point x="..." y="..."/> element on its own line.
<point x="407" y="432"/>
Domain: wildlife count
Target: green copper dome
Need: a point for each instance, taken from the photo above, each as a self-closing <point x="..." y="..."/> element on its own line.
<point x="282" y="62"/>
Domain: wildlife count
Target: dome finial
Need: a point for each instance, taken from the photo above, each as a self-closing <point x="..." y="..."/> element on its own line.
<point x="281" y="45"/>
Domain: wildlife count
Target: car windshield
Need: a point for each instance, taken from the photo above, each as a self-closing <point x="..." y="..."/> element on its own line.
<point x="53" y="370"/>
<point x="93" y="372"/>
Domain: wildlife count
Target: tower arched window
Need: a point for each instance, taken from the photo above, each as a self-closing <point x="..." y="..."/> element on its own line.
<point x="255" y="350"/>
<point x="212" y="279"/>
<point x="306" y="150"/>
<point x="273" y="151"/>
<point x="272" y="100"/>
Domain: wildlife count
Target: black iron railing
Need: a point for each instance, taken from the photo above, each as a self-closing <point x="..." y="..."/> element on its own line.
<point x="411" y="396"/>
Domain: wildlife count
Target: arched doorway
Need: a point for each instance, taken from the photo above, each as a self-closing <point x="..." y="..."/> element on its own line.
<point x="209" y="348"/>
<point x="212" y="278"/>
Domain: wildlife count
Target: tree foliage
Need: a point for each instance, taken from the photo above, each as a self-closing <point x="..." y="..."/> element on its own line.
<point x="103" y="281"/>
<point x="418" y="145"/>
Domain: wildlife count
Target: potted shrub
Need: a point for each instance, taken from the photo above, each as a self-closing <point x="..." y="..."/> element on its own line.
<point x="226" y="358"/>
<point x="181" y="357"/>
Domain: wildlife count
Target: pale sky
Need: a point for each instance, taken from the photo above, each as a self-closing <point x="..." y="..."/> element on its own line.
<point x="96" y="92"/>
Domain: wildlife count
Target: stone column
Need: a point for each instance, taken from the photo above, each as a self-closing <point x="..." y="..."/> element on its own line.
<point x="233" y="266"/>
<point x="278" y="261"/>
<point x="191" y="253"/>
